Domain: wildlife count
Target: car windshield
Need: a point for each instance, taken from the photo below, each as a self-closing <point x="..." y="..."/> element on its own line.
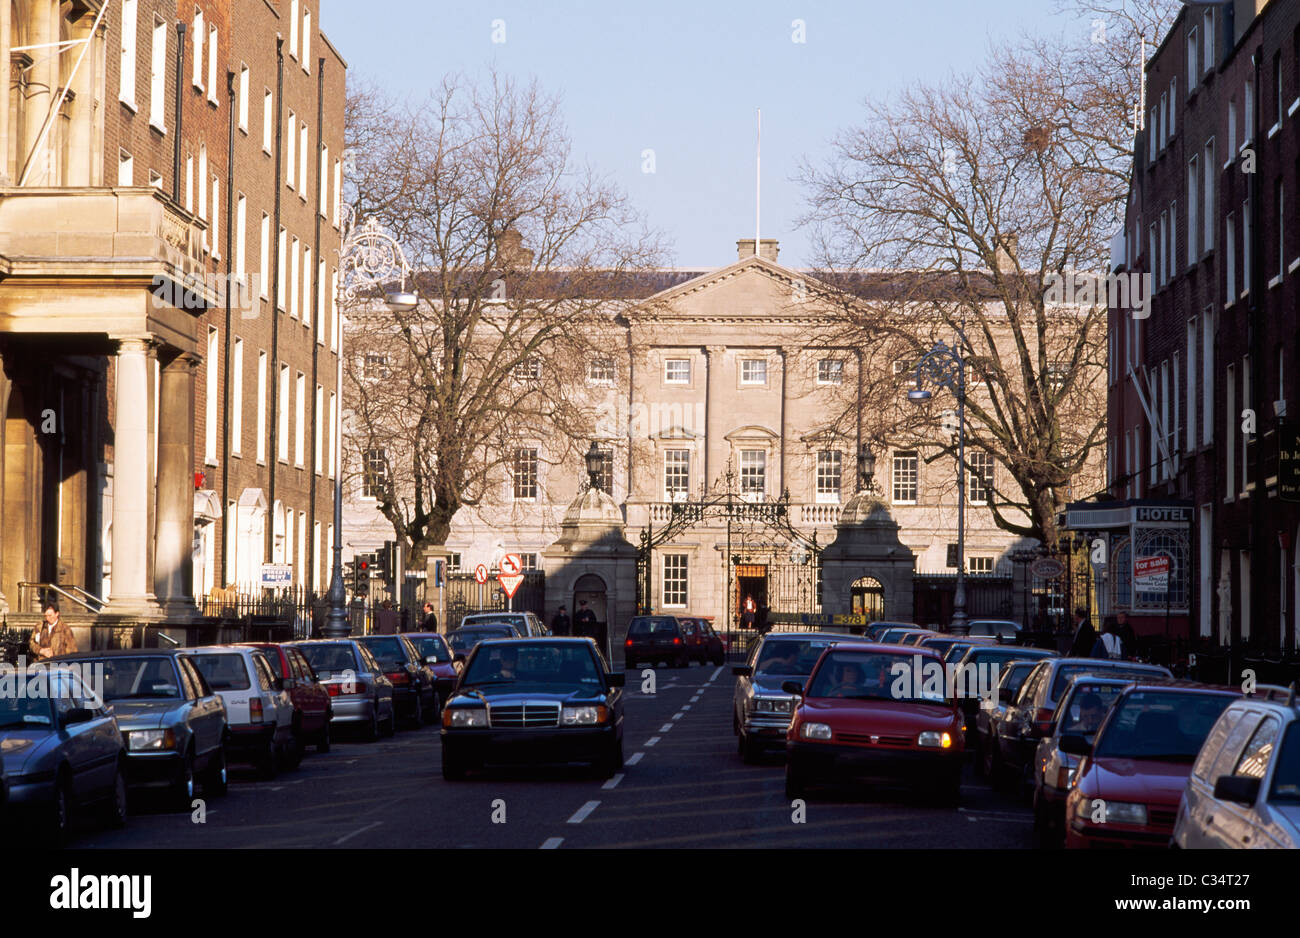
<point x="1286" y="777"/>
<point x="1161" y="725"/>
<point x="388" y="650"/>
<point x="790" y="656"/>
<point x="432" y="646"/>
<point x="1014" y="679"/>
<point x="1081" y="714"/>
<point x="538" y="665"/>
<point x="462" y="640"/>
<point x="135" y="678"/>
<point x="17" y="712"/>
<point x="955" y="651"/>
<point x="516" y="621"/>
<point x="1067" y="671"/>
<point x="330" y="660"/>
<point x="651" y="625"/>
<point x="863" y="675"/>
<point x="223" y="670"/>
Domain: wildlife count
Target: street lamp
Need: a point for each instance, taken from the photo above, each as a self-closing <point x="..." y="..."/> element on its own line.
<point x="946" y="368"/>
<point x="866" y="468"/>
<point x="369" y="258"/>
<point x="593" y="458"/>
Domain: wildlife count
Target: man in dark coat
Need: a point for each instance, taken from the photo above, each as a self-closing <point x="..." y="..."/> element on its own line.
<point x="560" y="625"/>
<point x="429" y="622"/>
<point x="584" y="622"/>
<point x="1085" y="636"/>
<point x="386" y="619"/>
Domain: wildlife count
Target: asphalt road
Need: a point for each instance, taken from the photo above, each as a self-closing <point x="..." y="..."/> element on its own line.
<point x="684" y="786"/>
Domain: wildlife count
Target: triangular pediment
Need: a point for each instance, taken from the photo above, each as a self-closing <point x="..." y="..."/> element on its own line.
<point x="752" y="287"/>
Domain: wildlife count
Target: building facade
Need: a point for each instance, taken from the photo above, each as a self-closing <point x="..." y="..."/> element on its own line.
<point x="148" y="312"/>
<point x="1203" y="389"/>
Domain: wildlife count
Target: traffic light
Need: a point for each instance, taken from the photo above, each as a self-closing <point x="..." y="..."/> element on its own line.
<point x="361" y="586"/>
<point x="387" y="560"/>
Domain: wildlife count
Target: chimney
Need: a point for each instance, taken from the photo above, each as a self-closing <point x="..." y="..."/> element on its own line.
<point x="511" y="251"/>
<point x="767" y="248"/>
<point x="1006" y="256"/>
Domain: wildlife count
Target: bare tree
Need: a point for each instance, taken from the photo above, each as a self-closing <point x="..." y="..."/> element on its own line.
<point x="514" y="247"/>
<point x="982" y="195"/>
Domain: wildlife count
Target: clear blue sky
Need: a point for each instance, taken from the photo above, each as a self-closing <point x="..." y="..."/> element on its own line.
<point x="684" y="79"/>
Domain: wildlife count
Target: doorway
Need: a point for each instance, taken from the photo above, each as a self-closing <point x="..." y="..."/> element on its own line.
<point x="751" y="583"/>
<point x="867" y="598"/>
<point x="591" y="588"/>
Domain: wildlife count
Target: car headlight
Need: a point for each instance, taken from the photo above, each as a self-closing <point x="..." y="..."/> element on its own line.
<point x="465" y="716"/>
<point x="582" y="716"/>
<point x="935" y="739"/>
<point x="815" y="731"/>
<point x="1101" y="811"/>
<point x="150" y="740"/>
<point x="774" y="705"/>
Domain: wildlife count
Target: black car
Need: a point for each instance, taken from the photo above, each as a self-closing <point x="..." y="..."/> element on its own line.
<point x="655" y="639"/>
<point x="414" y="685"/>
<point x="174" y="724"/>
<point x="534" y="700"/>
<point x="463" y="640"/>
<point x="977" y="675"/>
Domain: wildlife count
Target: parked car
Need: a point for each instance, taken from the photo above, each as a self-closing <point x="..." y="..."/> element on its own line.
<point x="440" y="658"/>
<point x="549" y="700"/>
<point x="760" y="708"/>
<point x="993" y="706"/>
<point x="1084" y="704"/>
<point x="360" y="693"/>
<point x="655" y="639"/>
<point x="874" y="630"/>
<point x="895" y="636"/>
<point x="1244" y="788"/>
<point x="60" y="751"/>
<point x="463" y="639"/>
<point x="702" y="643"/>
<point x="527" y="624"/>
<point x="1005" y="631"/>
<point x="173" y="723"/>
<point x="311" y="701"/>
<point x="915" y="638"/>
<point x="855" y="721"/>
<point x="1129" y="783"/>
<point x="259" y="711"/>
<point x="959" y="648"/>
<point x="942" y="643"/>
<point x="415" y="694"/>
<point x="977" y="674"/>
<point x="1030" y="714"/>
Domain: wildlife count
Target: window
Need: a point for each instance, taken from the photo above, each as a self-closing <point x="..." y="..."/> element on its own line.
<point x="212" y="64"/>
<point x="300" y="422"/>
<point x="1173" y="107"/>
<point x="265" y="272"/>
<point x="189" y="183"/>
<point x="241" y="238"/>
<point x="906" y="475"/>
<point x="197" y="38"/>
<point x="320" y="301"/>
<point x="283" y="402"/>
<point x="333" y="438"/>
<point x="454" y="561"/>
<point x="980" y="487"/>
<point x="291" y="137"/>
<point x="1232" y="129"/>
<point x="1193" y="59"/>
<point x="216" y="217"/>
<point x="1245" y="247"/>
<point x="281" y="251"/>
<point x="1248" y="439"/>
<point x="158" y="76"/>
<point x="1230" y="248"/>
<point x="528" y="371"/>
<point x="376" y="366"/>
<point x="243" y="97"/>
<point x="338" y="191"/>
<point x="306" y="41"/>
<point x="293" y="28"/>
<point x="155" y="180"/>
<point x="324" y="181"/>
<point x="237" y="398"/>
<point x="753" y="473"/>
<point x="1207" y="377"/>
<point x="600" y="371"/>
<point x="830" y="371"/>
<point x="677" y="474"/>
<point x="1277" y="91"/>
<point x="211" y="394"/>
<point x="1193" y="206"/>
<point x="1230" y="430"/>
<point x="203" y="186"/>
<point x="1191" y="385"/>
<point x="334" y="310"/>
<point x="1151" y="137"/>
<point x="1278" y="206"/>
<point x="125" y="169"/>
<point x="1208" y="192"/>
<point x="306" y="286"/>
<point x="524" y="474"/>
<point x="261" y="407"/>
<point x="753" y="371"/>
<point x="295" y="252"/>
<point x="675" y="580"/>
<point x="374" y="473"/>
<point x="1248" y="128"/>
<point x="979" y="565"/>
<point x="130" y="28"/>
<point x="1208" y="55"/>
<point x="1164" y="121"/>
<point x="829" y="475"/>
<point x="268" y="121"/>
<point x="677" y="371"/>
<point x="303" y="154"/>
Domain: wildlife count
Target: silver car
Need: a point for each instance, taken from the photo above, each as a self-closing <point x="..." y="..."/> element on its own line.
<point x="360" y="693"/>
<point x="527" y="624"/>
<point x="761" y="710"/>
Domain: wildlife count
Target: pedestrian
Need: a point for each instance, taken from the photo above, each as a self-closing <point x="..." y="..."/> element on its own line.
<point x="1109" y="645"/>
<point x="1126" y="635"/>
<point x="760" y="620"/>
<point x="1085" y="636"/>
<point x="584" y="621"/>
<point x="53" y="637"/>
<point x="561" y="625"/>
<point x="749" y="612"/>
<point x="429" y="623"/>
<point x="386" y="619"/>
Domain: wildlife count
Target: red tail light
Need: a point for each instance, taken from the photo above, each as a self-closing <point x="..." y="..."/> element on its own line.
<point x="1043" y="720"/>
<point x="255" y="710"/>
<point x="628" y="643"/>
<point x="677" y="641"/>
<point x="335" y="690"/>
<point x="399" y="677"/>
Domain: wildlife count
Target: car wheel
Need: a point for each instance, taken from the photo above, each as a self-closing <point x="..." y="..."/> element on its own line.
<point x="182" y="790"/>
<point x="268" y="761"/>
<point x="981" y="751"/>
<point x="372" y="729"/>
<point x="115" y="806"/>
<point x="608" y="765"/>
<point x="749" y="752"/>
<point x="417" y="711"/>
<point x="993" y="767"/>
<point x="323" y="737"/>
<point x="60" y="812"/>
<point x="390" y="727"/>
<point x="217" y="781"/>
<point x="795" y="784"/>
<point x="453" y="769"/>
<point x="1044" y="837"/>
<point x="297" y="749"/>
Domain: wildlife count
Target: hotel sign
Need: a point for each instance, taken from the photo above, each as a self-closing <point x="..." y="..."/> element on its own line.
<point x="1288" y="466"/>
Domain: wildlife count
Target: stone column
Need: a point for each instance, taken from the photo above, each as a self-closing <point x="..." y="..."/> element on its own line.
<point x="133" y="422"/>
<point x="5" y="386"/>
<point x="712" y="357"/>
<point x="82" y="113"/>
<point x="44" y="78"/>
<point x="173" y="548"/>
<point x="6" y="44"/>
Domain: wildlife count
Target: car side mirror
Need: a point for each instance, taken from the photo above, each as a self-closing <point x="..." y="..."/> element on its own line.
<point x="616" y="678"/>
<point x="1006" y="695"/>
<point x="1075" y="745"/>
<point x="1239" y="788"/>
<point x="742" y="670"/>
<point x="78" y="715"/>
<point x="792" y="687"/>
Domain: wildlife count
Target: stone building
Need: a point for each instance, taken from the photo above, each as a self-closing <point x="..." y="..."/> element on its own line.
<point x="138" y="391"/>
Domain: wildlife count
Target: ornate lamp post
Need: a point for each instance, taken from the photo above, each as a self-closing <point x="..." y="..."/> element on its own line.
<point x="594" y="458"/>
<point x="945" y="367"/>
<point x="866" y="469"/>
<point x="370" y="257"/>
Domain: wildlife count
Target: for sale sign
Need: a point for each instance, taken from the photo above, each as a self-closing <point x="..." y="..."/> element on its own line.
<point x="1151" y="574"/>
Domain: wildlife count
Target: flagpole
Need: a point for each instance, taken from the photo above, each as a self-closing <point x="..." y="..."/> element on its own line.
<point x="758" y="181"/>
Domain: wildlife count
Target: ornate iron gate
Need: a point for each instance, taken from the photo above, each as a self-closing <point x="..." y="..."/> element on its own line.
<point x="465" y="595"/>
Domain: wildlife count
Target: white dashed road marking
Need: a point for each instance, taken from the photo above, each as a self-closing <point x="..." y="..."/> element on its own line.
<point x="551" y="843"/>
<point x="613" y="782"/>
<point x="581" y="814"/>
<point x="678" y="716"/>
<point x="715" y="674"/>
<point x="631" y="760"/>
<point x="652" y="740"/>
<point x="665" y="728"/>
<point x="347" y="837"/>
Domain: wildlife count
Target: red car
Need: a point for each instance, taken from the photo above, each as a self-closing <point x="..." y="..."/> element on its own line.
<point x="311" y="701"/>
<point x="1128" y="784"/>
<point x="437" y="654"/>
<point x="871" y="712"/>
<point x="702" y="643"/>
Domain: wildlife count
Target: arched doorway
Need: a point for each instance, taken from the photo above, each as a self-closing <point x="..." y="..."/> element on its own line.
<point x="591" y="588"/>
<point x="867" y="598"/>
